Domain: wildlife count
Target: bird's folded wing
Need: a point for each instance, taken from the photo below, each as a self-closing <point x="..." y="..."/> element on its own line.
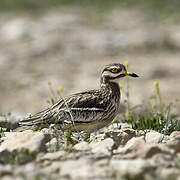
<point x="78" y="108"/>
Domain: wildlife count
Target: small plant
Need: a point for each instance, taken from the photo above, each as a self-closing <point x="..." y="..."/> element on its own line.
<point x="6" y="124"/>
<point x="54" y="95"/>
<point x="127" y="92"/>
<point x="70" y="139"/>
<point x="159" y="116"/>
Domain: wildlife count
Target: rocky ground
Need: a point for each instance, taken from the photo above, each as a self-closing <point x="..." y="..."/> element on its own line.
<point x="68" y="48"/>
<point x="111" y="153"/>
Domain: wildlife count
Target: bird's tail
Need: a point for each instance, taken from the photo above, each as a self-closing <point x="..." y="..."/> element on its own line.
<point x="38" y="118"/>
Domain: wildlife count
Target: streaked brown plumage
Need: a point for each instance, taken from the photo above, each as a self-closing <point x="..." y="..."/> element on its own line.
<point x="86" y="111"/>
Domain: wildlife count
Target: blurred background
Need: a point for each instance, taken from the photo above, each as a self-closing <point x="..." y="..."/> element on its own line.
<point x="67" y="42"/>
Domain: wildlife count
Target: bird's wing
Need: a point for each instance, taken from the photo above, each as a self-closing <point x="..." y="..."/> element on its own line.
<point x="81" y="107"/>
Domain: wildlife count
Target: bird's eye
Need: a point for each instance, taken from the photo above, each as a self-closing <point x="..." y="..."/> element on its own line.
<point x="114" y="70"/>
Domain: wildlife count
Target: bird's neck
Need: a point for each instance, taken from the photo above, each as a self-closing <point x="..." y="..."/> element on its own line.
<point x="112" y="90"/>
<point x="110" y="85"/>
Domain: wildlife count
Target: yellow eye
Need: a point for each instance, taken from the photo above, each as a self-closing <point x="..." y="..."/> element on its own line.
<point x="114" y="70"/>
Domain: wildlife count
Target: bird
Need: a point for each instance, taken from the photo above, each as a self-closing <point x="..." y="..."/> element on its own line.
<point x="86" y="111"/>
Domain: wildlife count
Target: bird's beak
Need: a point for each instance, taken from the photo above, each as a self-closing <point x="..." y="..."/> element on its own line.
<point x="130" y="74"/>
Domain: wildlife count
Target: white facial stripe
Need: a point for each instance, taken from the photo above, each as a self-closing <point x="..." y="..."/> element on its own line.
<point x="110" y="74"/>
<point x="112" y="67"/>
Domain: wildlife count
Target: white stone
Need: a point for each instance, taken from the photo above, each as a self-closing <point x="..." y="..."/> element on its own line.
<point x="174" y="141"/>
<point x="52" y="156"/>
<point x="103" y="148"/>
<point x="77" y="169"/>
<point x="133" y="167"/>
<point x="137" y="147"/>
<point x="154" y="137"/>
<point x="52" y="144"/>
<point x="34" y="141"/>
<point x="82" y="146"/>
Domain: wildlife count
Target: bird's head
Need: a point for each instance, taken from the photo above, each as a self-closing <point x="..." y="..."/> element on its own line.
<point x="113" y="72"/>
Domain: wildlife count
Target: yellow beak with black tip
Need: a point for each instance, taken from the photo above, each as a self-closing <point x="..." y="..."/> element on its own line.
<point x="130" y="74"/>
